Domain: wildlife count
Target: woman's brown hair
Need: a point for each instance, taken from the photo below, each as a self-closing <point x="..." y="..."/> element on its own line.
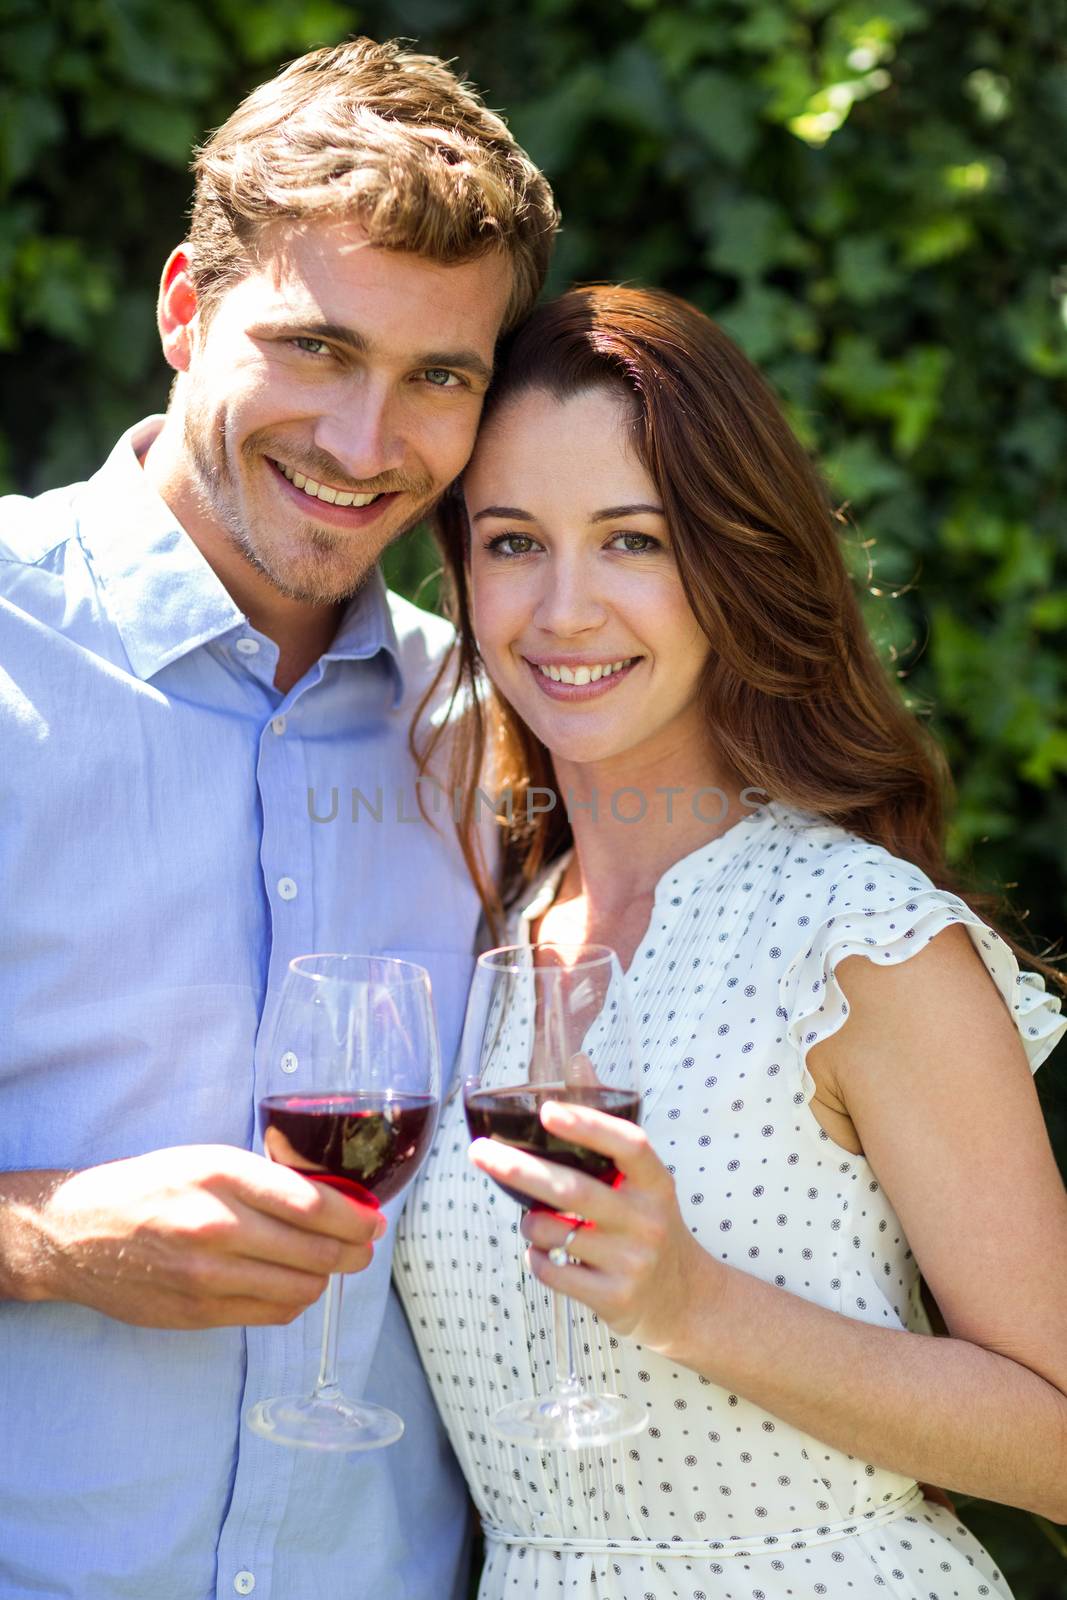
<point x="797" y="702"/>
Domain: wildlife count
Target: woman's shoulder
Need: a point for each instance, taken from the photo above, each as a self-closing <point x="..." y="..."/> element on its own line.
<point x="825" y="857"/>
<point x="859" y="899"/>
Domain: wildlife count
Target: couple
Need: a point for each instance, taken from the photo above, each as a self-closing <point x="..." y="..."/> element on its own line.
<point x="197" y="638"/>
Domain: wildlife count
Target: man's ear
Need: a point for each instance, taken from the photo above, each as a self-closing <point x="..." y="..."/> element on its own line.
<point x="177" y="309"/>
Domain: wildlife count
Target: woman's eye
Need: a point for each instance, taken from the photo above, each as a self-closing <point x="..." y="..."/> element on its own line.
<point x="441" y="378"/>
<point x="637" y="543"/>
<point x="510" y="544"/>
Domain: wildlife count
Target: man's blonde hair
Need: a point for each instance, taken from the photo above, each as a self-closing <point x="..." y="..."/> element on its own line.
<point x="389" y="138"/>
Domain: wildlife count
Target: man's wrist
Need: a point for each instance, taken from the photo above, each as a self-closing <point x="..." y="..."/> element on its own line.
<point x="27" y="1250"/>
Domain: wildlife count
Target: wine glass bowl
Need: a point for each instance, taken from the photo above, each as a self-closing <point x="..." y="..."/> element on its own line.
<point x="362" y="1031"/>
<point x="552" y="1022"/>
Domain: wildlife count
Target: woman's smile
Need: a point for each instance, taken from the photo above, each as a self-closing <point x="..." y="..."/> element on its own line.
<point x="566" y="678"/>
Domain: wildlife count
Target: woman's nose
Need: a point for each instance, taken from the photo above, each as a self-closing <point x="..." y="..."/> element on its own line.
<point x="569" y="602"/>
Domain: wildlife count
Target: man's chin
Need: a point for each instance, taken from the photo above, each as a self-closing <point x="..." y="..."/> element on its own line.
<point x="323" y="566"/>
<point x="317" y="586"/>
<point x="318" y="574"/>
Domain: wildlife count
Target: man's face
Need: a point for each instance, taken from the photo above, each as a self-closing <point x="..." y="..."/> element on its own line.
<point x="330" y="396"/>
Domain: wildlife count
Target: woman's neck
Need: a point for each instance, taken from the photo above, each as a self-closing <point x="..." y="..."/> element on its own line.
<point x="634" y="816"/>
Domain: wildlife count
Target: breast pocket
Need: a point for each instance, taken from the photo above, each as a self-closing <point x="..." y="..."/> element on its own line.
<point x="450" y="978"/>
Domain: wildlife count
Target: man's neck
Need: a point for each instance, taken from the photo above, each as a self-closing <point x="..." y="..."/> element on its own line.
<point x="301" y="630"/>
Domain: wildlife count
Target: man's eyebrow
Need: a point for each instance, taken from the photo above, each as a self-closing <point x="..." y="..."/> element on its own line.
<point x="337" y="333"/>
<point x="609" y="514"/>
<point x="466" y="360"/>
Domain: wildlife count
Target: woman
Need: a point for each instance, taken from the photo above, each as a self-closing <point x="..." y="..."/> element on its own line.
<point x="836" y="1048"/>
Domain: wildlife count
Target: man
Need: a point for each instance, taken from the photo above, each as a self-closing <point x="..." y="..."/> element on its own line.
<point x="194" y="644"/>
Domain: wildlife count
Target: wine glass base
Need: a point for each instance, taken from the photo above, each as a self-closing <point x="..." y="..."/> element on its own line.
<point x="569" y="1422"/>
<point x="318" y="1422"/>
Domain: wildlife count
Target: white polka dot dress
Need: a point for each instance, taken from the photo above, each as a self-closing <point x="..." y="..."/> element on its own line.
<point x="717" y="1500"/>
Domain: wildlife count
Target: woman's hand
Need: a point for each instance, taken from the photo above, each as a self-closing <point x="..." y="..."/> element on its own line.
<point x="638" y="1266"/>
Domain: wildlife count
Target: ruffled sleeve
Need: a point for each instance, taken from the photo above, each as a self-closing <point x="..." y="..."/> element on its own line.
<point x="886" y="910"/>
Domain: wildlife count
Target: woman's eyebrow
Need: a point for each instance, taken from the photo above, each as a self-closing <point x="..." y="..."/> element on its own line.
<point x="513" y="514"/>
<point x="612" y="512"/>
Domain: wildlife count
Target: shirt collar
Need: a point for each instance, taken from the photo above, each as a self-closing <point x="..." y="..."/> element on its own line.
<point x="367" y="630"/>
<point x="164" y="597"/>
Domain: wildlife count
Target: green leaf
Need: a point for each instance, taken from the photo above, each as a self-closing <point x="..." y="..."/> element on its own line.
<point x="1036" y="329"/>
<point x="1049" y="611"/>
<point x="1048" y="760"/>
<point x="765" y="322"/>
<point x="27" y="49"/>
<point x="551" y="126"/>
<point x="639" y="94"/>
<point x="937" y="239"/>
<point x="1025" y="563"/>
<point x="858" y="374"/>
<point x="723" y="113"/>
<point x="769" y="30"/>
<point x="159" y="128"/>
<point x="679" y="39"/>
<point x="60" y="291"/>
<point x="864" y="271"/>
<point x="266" y="30"/>
<point x="860" y="473"/>
<point x="28" y="124"/>
<point x="754" y="235"/>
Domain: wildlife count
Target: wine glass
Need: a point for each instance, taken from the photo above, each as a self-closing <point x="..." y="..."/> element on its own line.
<point x="363" y="1031"/>
<point x="552" y="1022"/>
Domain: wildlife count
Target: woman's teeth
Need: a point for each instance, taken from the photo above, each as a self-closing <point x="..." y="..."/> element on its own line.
<point x="322" y="491"/>
<point x="585" y="674"/>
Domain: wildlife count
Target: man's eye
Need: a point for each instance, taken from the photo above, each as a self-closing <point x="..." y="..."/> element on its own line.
<point x="311" y="347"/>
<point x="510" y="544"/>
<point x="441" y="378"/>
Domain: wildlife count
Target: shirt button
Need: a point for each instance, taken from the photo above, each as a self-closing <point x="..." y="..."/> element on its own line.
<point x="247" y="647"/>
<point x="244" y="1582"/>
<point x="289" y="1062"/>
<point x="287" y="888"/>
<point x="277" y="725"/>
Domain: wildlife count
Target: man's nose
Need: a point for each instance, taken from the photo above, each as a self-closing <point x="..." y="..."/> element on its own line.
<point x="361" y="434"/>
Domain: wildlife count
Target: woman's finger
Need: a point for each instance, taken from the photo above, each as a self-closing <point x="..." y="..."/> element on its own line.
<point x="622" y="1141"/>
<point x="578" y="1282"/>
<point x="592" y="1246"/>
<point x="558" y="1187"/>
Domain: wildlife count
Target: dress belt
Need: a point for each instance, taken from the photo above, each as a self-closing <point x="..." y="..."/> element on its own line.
<point x="715" y="1549"/>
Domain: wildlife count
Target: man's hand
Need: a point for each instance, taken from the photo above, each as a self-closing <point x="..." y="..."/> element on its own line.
<point x="199" y="1236"/>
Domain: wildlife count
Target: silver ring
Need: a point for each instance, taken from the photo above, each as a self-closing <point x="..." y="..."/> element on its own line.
<point x="559" y="1255"/>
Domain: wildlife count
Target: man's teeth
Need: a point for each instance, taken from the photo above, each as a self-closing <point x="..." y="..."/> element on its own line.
<point x="585" y="674"/>
<point x="322" y="491"/>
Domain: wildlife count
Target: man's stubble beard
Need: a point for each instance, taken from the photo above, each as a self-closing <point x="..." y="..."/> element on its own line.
<point x="310" y="585"/>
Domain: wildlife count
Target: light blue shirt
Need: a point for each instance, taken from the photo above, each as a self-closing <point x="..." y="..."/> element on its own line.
<point x="160" y="865"/>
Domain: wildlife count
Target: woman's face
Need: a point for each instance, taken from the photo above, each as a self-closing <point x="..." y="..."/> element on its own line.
<point x="578" y="608"/>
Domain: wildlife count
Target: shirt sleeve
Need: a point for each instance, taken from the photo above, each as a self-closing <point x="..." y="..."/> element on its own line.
<point x="889" y="913"/>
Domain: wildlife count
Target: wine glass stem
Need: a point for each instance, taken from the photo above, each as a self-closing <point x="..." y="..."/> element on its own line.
<point x="567" y="1380"/>
<point x="326" y="1383"/>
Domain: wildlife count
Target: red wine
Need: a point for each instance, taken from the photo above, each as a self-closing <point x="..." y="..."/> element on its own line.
<point x="367" y="1145"/>
<point x="513" y="1115"/>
